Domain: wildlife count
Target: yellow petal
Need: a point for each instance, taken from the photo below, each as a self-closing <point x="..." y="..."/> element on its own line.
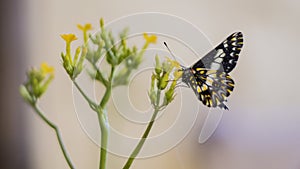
<point x="46" y="69"/>
<point x="150" y="39"/>
<point x="86" y="27"/>
<point x="174" y="63"/>
<point x="68" y="37"/>
<point x="80" y="27"/>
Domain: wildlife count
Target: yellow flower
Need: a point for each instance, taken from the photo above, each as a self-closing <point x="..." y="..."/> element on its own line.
<point x="174" y="63"/>
<point x="85" y="28"/>
<point x="68" y="37"/>
<point x="150" y="39"/>
<point x="46" y="69"/>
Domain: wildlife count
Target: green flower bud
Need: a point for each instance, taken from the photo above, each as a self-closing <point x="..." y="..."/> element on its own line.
<point x="158" y="68"/>
<point x="101" y="23"/>
<point x="163" y="82"/>
<point x="167" y="67"/>
<point x="169" y="96"/>
<point x="152" y="97"/>
<point x="25" y="94"/>
<point x="110" y="57"/>
<point x="152" y="82"/>
<point x="76" y="55"/>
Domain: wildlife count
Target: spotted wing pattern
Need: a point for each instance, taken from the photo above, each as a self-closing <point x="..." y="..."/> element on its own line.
<point x="224" y="57"/>
<point x="209" y="77"/>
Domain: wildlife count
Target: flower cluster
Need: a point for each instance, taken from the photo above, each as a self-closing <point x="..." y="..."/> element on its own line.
<point x="161" y="81"/>
<point x="73" y="65"/>
<point x="37" y="83"/>
<point x="116" y="54"/>
<point x="122" y="59"/>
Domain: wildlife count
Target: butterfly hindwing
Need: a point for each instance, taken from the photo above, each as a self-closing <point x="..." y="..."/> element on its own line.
<point x="210" y="86"/>
<point x="224" y="56"/>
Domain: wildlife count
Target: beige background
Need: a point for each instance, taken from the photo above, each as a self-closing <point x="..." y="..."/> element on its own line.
<point x="261" y="130"/>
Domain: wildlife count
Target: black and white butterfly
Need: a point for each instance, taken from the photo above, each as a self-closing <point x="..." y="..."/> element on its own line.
<point x="209" y="77"/>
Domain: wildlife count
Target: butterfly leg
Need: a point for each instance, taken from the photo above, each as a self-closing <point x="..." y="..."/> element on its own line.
<point x="180" y="84"/>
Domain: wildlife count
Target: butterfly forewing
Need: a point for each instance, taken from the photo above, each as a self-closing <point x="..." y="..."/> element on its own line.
<point x="209" y="77"/>
<point x="224" y="56"/>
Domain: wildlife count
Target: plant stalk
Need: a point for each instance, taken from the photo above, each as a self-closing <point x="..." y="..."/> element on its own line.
<point x="103" y="120"/>
<point x="58" y="135"/>
<point x="139" y="146"/>
<point x="104" y="127"/>
<point x="92" y="104"/>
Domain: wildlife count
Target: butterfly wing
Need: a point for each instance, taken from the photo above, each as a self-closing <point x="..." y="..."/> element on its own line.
<point x="224" y="56"/>
<point x="215" y="86"/>
<point x="212" y="87"/>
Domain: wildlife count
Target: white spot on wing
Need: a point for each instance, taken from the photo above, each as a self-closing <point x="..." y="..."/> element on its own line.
<point x="214" y="66"/>
<point x="218" y="60"/>
<point x="219" y="52"/>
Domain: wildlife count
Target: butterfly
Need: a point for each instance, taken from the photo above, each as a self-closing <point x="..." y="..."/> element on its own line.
<point x="209" y="77"/>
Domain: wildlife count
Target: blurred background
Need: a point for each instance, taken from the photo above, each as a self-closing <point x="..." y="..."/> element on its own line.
<point x="261" y="130"/>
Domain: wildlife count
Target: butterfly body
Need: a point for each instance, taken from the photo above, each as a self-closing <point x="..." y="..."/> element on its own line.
<point x="209" y="77"/>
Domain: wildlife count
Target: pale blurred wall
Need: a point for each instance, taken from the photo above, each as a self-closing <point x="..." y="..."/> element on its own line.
<point x="261" y="130"/>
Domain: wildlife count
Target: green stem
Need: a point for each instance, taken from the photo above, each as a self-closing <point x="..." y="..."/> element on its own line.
<point x="145" y="135"/>
<point x="107" y="93"/>
<point x="91" y="103"/>
<point x="102" y="117"/>
<point x="100" y="75"/>
<point x="58" y="135"/>
<point x="104" y="126"/>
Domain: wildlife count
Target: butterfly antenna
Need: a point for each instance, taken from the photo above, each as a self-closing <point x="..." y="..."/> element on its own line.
<point x="165" y="43"/>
